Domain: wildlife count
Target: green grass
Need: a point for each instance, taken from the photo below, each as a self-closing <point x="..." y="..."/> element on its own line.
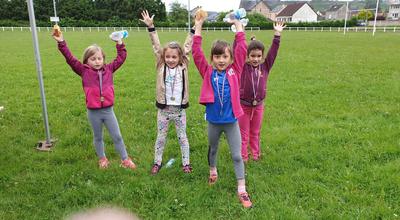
<point x="330" y="137"/>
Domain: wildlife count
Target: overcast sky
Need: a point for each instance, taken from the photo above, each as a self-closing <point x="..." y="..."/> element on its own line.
<point x="208" y="5"/>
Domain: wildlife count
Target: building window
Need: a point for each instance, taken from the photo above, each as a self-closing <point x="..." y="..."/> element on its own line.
<point x="395" y="15"/>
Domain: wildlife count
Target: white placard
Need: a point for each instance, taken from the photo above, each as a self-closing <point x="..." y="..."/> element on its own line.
<point x="54" y="19"/>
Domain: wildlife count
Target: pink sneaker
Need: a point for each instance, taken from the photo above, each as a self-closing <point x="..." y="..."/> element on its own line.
<point x="103" y="163"/>
<point x="245" y="200"/>
<point x="128" y="163"/>
<point x="155" y="169"/>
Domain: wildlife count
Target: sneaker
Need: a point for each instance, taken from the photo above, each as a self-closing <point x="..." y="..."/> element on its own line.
<point x="187" y="168"/>
<point x="212" y="179"/>
<point x="128" y="163"/>
<point x="155" y="169"/>
<point x="103" y="163"/>
<point x="245" y="200"/>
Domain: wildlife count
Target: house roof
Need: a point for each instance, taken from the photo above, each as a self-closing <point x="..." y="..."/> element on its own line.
<point x="290" y="9"/>
<point x="335" y="7"/>
<point x="248" y="5"/>
<point x="278" y="8"/>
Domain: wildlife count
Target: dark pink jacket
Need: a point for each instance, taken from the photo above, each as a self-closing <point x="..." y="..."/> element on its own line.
<point x="91" y="80"/>
<point x="234" y="71"/>
<point x="246" y="83"/>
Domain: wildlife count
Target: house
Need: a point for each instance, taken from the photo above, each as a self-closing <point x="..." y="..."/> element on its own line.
<point x="256" y="6"/>
<point x="336" y="12"/>
<point x="212" y="15"/>
<point x="276" y="11"/>
<point x="297" y="12"/>
<point x="394" y="11"/>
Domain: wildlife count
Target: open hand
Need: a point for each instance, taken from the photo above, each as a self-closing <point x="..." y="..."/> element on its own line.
<point x="147" y="19"/>
<point x="279" y="26"/>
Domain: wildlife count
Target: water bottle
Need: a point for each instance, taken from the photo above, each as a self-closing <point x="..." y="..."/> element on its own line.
<point x="118" y="35"/>
<point x="170" y="162"/>
<point x="237" y="14"/>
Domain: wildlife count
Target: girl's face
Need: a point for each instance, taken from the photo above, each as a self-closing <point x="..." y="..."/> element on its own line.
<point x="96" y="61"/>
<point x="255" y="57"/>
<point x="222" y="61"/>
<point x="171" y="57"/>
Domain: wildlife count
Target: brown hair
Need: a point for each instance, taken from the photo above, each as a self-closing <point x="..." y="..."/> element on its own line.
<point x="219" y="47"/>
<point x="255" y="45"/>
<point x="90" y="51"/>
<point x="173" y="45"/>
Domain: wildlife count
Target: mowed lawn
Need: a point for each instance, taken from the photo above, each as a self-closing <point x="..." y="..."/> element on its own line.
<point x="330" y="136"/>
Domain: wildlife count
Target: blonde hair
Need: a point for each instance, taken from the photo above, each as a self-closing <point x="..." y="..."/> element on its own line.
<point x="173" y="45"/>
<point x="90" y="51"/>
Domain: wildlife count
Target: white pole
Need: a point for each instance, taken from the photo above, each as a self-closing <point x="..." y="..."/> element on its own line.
<point x="55" y="11"/>
<point x="345" y="18"/>
<point x="376" y="14"/>
<point x="189" y="14"/>
<point x="39" y="68"/>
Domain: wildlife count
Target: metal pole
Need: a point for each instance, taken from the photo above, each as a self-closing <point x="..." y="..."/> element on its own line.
<point x="345" y="18"/>
<point x="189" y="15"/>
<point x="39" y="68"/>
<point x="376" y="14"/>
<point x="55" y="10"/>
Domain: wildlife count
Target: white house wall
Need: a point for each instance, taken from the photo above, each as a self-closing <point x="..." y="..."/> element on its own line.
<point x="305" y="13"/>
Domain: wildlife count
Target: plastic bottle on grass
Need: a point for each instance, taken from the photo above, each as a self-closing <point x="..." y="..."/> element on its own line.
<point x="170" y="162"/>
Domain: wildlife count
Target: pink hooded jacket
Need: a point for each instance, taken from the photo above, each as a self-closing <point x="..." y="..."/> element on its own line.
<point x="233" y="72"/>
<point x="97" y="96"/>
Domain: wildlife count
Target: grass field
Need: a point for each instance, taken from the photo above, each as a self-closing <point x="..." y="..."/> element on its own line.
<point x="330" y="137"/>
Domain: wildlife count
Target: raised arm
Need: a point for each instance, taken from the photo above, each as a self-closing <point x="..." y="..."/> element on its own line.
<point x="240" y="48"/>
<point x="273" y="50"/>
<point x="121" y="56"/>
<point x="74" y="63"/>
<point x="155" y="41"/>
<point x="198" y="55"/>
<point x="187" y="46"/>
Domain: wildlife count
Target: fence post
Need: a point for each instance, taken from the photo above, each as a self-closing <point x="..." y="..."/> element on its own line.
<point x="394" y="29"/>
<point x="90" y="29"/>
<point x="322" y="29"/>
<point x="297" y="28"/>
<point x="384" y="29"/>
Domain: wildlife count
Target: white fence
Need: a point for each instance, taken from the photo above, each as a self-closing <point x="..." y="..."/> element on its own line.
<point x="98" y="29"/>
<point x="348" y="29"/>
<point x="176" y="29"/>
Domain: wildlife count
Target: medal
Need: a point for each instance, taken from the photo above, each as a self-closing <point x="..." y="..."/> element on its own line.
<point x="254" y="102"/>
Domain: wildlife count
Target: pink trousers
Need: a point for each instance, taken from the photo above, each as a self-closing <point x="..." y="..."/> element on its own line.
<point x="250" y="127"/>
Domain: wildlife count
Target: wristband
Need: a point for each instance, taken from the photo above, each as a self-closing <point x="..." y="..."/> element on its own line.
<point x="151" y="29"/>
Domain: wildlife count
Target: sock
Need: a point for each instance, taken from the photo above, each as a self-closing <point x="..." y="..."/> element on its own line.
<point x="241" y="189"/>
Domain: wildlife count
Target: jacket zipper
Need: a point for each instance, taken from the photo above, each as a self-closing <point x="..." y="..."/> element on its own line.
<point x="99" y="73"/>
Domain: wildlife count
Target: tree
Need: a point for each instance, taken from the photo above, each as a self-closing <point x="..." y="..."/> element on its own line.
<point x="365" y="15"/>
<point x="178" y="13"/>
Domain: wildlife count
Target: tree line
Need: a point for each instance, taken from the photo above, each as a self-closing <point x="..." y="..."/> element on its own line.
<point x="121" y="13"/>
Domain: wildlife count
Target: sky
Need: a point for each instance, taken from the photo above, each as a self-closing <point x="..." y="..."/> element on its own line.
<point x="208" y="5"/>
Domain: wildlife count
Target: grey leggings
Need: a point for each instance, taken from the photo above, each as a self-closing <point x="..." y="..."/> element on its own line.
<point x="232" y="133"/>
<point x="106" y="115"/>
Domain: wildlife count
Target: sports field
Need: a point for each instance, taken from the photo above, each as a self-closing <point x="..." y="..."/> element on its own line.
<point x="330" y="137"/>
